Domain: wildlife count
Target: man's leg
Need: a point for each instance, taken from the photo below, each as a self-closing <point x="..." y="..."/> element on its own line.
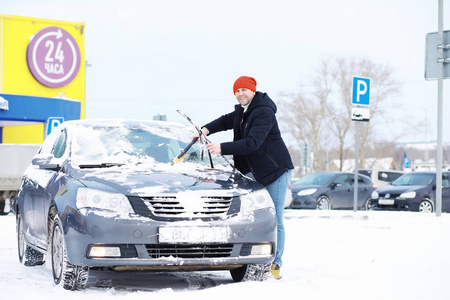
<point x="277" y="191"/>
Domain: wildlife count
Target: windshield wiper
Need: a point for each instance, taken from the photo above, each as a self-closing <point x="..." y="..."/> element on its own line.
<point x="102" y="165"/>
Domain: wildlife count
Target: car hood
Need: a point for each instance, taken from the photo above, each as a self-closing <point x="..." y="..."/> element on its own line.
<point x="148" y="182"/>
<point x="392" y="189"/>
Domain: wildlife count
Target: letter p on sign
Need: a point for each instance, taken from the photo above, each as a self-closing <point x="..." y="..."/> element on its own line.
<point x="53" y="122"/>
<point x="361" y="91"/>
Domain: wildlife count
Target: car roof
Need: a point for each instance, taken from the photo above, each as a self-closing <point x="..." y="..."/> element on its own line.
<point x="425" y="172"/>
<point x="337" y="173"/>
<point x="341" y="173"/>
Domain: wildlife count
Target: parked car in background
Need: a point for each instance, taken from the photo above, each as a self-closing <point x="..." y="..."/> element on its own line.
<point x="110" y="194"/>
<point x="381" y="177"/>
<point x="330" y="190"/>
<point x="415" y="191"/>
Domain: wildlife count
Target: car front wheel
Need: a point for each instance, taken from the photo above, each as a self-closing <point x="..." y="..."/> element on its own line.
<point x="252" y="272"/>
<point x="70" y="276"/>
<point x="368" y="205"/>
<point x="426" y="206"/>
<point x="323" y="203"/>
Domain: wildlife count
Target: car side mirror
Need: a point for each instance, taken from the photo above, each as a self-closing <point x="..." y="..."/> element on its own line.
<point x="45" y="161"/>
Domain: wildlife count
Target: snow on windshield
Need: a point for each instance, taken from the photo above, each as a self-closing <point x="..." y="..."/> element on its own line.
<point x="122" y="143"/>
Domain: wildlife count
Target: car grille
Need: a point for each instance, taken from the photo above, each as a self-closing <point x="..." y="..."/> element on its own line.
<point x="189" y="251"/>
<point x="170" y="206"/>
<point x="391" y="195"/>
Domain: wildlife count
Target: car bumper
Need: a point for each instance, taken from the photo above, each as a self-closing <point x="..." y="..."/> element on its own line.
<point x="303" y="202"/>
<point x="404" y="205"/>
<point x="139" y="245"/>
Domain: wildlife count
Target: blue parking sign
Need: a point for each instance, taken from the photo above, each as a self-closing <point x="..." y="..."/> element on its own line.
<point x="53" y="122"/>
<point x="361" y="91"/>
<point x="406" y="164"/>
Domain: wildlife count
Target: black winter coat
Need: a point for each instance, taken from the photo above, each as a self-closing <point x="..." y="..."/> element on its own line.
<point x="257" y="143"/>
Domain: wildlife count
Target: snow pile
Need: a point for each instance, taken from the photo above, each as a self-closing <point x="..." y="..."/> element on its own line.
<point x="329" y="255"/>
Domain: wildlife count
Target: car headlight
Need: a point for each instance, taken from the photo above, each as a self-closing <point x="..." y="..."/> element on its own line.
<point x="92" y="198"/>
<point x="256" y="200"/>
<point x="306" y="192"/>
<point x="374" y="195"/>
<point x="408" y="195"/>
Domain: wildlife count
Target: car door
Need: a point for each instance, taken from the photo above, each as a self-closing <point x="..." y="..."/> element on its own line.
<point x="36" y="197"/>
<point x="341" y="192"/>
<point x="365" y="188"/>
<point x="446" y="192"/>
<point x="362" y="191"/>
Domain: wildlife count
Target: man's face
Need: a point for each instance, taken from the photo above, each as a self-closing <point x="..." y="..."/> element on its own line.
<point x="244" y="96"/>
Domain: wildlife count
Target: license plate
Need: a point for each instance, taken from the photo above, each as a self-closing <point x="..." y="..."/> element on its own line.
<point x="386" y="201"/>
<point x="193" y="234"/>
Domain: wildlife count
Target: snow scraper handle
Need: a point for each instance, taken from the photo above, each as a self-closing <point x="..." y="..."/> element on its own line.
<point x="183" y="154"/>
<point x="200" y="134"/>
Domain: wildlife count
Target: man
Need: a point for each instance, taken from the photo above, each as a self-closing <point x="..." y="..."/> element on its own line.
<point x="257" y="148"/>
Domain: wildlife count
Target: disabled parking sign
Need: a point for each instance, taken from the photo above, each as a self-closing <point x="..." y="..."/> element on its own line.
<point x="361" y="91"/>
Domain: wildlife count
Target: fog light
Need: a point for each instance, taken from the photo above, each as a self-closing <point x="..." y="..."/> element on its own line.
<point x="104" y="251"/>
<point x="263" y="249"/>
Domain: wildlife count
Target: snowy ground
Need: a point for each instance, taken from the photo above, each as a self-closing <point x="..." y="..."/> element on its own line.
<point x="329" y="255"/>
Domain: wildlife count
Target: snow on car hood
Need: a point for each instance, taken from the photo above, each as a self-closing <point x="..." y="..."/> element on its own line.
<point x="145" y="180"/>
<point x="398" y="189"/>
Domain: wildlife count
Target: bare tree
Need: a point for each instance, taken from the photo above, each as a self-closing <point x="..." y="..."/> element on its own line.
<point x="326" y="111"/>
<point x="304" y="115"/>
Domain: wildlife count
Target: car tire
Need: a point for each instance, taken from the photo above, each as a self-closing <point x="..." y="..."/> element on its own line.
<point x="70" y="276"/>
<point x="27" y="255"/>
<point x="2" y="207"/>
<point x="426" y="206"/>
<point x="251" y="272"/>
<point x="368" y="205"/>
<point x="323" y="203"/>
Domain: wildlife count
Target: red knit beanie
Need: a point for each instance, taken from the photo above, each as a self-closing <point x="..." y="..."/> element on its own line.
<point x="245" y="82"/>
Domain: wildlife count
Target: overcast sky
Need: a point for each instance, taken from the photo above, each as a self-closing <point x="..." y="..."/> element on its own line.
<point x="153" y="57"/>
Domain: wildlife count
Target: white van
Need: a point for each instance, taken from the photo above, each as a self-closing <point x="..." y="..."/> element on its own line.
<point x="381" y="178"/>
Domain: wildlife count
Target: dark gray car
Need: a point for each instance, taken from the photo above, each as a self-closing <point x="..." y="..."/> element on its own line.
<point x="330" y="190"/>
<point x="415" y="191"/>
<point x="107" y="193"/>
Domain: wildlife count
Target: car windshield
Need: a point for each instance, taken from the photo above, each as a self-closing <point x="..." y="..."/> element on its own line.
<point x="315" y="179"/>
<point x="117" y="144"/>
<point x="414" y="179"/>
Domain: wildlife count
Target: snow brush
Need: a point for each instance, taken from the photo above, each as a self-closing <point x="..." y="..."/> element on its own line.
<point x="183" y="154"/>
<point x="206" y="141"/>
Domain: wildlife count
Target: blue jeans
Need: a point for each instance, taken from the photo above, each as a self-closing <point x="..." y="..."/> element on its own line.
<point x="277" y="191"/>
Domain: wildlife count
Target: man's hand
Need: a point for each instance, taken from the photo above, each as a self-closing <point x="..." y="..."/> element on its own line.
<point x="204" y="130"/>
<point x="214" y="148"/>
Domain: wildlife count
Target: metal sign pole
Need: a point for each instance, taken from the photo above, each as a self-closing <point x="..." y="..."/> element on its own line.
<point x="355" y="182"/>
<point x="360" y="97"/>
<point x="440" y="108"/>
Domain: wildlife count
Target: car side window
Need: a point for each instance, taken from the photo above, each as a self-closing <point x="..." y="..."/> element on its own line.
<point x="342" y="180"/>
<point x="60" y="145"/>
<point x="49" y="143"/>
<point x="445" y="180"/>
<point x="360" y="180"/>
<point x="388" y="176"/>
